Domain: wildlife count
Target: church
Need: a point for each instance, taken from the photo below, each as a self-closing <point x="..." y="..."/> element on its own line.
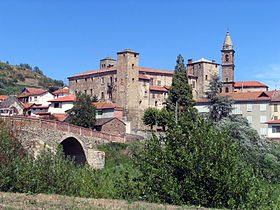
<point x="124" y="82"/>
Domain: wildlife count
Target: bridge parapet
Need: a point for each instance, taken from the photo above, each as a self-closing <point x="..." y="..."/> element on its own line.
<point x="34" y="123"/>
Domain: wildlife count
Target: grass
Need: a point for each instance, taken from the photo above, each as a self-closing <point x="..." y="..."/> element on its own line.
<point x="43" y="201"/>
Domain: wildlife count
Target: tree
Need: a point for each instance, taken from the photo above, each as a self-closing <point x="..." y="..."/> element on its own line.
<point x="37" y="70"/>
<point x="180" y="94"/>
<point x="83" y="112"/>
<point x="220" y="106"/>
<point x="162" y="118"/>
<point x="150" y="117"/>
<point x="94" y="98"/>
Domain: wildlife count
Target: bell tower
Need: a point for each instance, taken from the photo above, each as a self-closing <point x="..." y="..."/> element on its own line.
<point x="228" y="65"/>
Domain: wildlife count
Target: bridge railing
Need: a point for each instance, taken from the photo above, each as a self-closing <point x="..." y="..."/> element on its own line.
<point x="61" y="126"/>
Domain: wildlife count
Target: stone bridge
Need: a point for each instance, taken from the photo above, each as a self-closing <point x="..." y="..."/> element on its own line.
<point x="37" y="135"/>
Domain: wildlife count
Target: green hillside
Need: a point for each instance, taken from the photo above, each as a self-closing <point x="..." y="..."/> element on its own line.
<point x="13" y="78"/>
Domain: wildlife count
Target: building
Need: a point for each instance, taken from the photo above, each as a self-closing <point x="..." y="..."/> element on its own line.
<point x="3" y="97"/>
<point x="113" y="126"/>
<point x="124" y="82"/>
<point x="257" y="107"/>
<point x="108" y="110"/>
<point x="61" y="92"/>
<point x="135" y="88"/>
<point x="273" y="129"/>
<point x="35" y="95"/>
<point x="62" y="104"/>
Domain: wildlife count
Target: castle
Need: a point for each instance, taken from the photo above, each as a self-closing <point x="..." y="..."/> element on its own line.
<point x="135" y="88"/>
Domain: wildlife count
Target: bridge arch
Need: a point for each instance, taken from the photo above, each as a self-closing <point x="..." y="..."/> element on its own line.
<point x="72" y="147"/>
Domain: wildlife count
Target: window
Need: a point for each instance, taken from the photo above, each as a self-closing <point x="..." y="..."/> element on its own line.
<point x="35" y="98"/>
<point x="227" y="58"/>
<point x="102" y="80"/>
<point x="102" y="95"/>
<point x="151" y="81"/>
<point x="153" y="95"/>
<point x="262" y="107"/>
<point x="116" y="79"/>
<point x="159" y="83"/>
<point x="135" y="55"/>
<point x="226" y="79"/>
<point x="275" y="108"/>
<point x="76" y="81"/>
<point x="56" y="105"/>
<point x="206" y="77"/>
<point x="236" y="109"/>
<point x="145" y="94"/>
<point x="250" y="119"/>
<point x="226" y="90"/>
<point x="263" y="119"/>
<point x="133" y="65"/>
<point x="193" y="84"/>
<point x="275" y="118"/>
<point x="90" y="91"/>
<point x="85" y="79"/>
<point x="92" y="79"/>
<point x="275" y="129"/>
<point x="99" y="112"/>
<point x="263" y="131"/>
<point x="85" y="91"/>
<point x="155" y="103"/>
<point x="249" y="107"/>
<point x="132" y="79"/>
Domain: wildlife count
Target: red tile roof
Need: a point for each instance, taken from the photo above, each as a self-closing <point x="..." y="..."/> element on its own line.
<point x="33" y="90"/>
<point x="142" y="76"/>
<point x="42" y="113"/>
<point x="93" y="72"/>
<point x="162" y="89"/>
<point x="241" y="84"/>
<point x="3" y="97"/>
<point x="100" y="105"/>
<point x="27" y="106"/>
<point x="64" y="99"/>
<point x="273" y="122"/>
<point x="60" y="116"/>
<point x="114" y="69"/>
<point x="66" y="90"/>
<point x="246" y="96"/>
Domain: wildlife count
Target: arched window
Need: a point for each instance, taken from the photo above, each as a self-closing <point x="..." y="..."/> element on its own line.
<point x="226" y="90"/>
<point x="227" y="58"/>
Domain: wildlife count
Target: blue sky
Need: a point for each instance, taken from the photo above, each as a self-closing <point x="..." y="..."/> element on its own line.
<point x="66" y="37"/>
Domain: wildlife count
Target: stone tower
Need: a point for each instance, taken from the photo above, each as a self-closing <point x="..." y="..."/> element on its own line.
<point x="128" y="85"/>
<point x="228" y="65"/>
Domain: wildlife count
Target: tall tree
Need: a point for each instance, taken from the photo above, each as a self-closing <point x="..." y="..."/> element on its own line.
<point x="83" y="112"/>
<point x="220" y="106"/>
<point x="180" y="96"/>
<point x="150" y="117"/>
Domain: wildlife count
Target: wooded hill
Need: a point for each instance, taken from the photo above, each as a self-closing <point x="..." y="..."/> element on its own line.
<point x="13" y="78"/>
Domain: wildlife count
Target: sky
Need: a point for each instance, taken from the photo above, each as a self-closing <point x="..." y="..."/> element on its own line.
<point x="67" y="37"/>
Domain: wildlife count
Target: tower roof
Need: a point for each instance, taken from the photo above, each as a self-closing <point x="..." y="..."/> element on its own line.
<point x="228" y="43"/>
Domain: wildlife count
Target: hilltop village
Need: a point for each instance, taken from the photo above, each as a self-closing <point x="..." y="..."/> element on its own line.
<point x="125" y="90"/>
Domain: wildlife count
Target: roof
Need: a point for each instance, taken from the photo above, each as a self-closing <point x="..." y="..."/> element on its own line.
<point x="64" y="99"/>
<point x="142" y="76"/>
<point x="42" y="113"/>
<point x="9" y="101"/>
<point x="27" y="106"/>
<point x="100" y="105"/>
<point x="102" y="121"/>
<point x="273" y="122"/>
<point x="241" y="84"/>
<point x="228" y="43"/>
<point x="155" y="88"/>
<point x="203" y="60"/>
<point x="33" y="90"/>
<point x="60" y="116"/>
<point x="159" y="71"/>
<point x="3" y="97"/>
<point x="246" y="96"/>
<point x="65" y="90"/>
<point x="39" y="107"/>
<point x="112" y="69"/>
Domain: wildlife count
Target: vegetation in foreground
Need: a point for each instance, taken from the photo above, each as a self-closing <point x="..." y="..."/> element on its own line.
<point x="198" y="161"/>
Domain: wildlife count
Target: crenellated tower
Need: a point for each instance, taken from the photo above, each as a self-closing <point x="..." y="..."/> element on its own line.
<point x="228" y="64"/>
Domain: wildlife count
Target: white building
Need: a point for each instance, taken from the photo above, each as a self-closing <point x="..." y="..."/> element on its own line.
<point x="61" y="104"/>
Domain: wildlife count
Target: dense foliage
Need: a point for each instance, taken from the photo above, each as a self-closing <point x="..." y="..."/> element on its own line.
<point x="83" y="112"/>
<point x="220" y="106"/>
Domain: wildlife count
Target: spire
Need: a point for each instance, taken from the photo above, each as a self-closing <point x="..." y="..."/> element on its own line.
<point x="228" y="43"/>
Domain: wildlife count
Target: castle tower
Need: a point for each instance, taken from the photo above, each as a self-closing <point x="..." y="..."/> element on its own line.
<point x="127" y="84"/>
<point x="107" y="63"/>
<point x="228" y="65"/>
